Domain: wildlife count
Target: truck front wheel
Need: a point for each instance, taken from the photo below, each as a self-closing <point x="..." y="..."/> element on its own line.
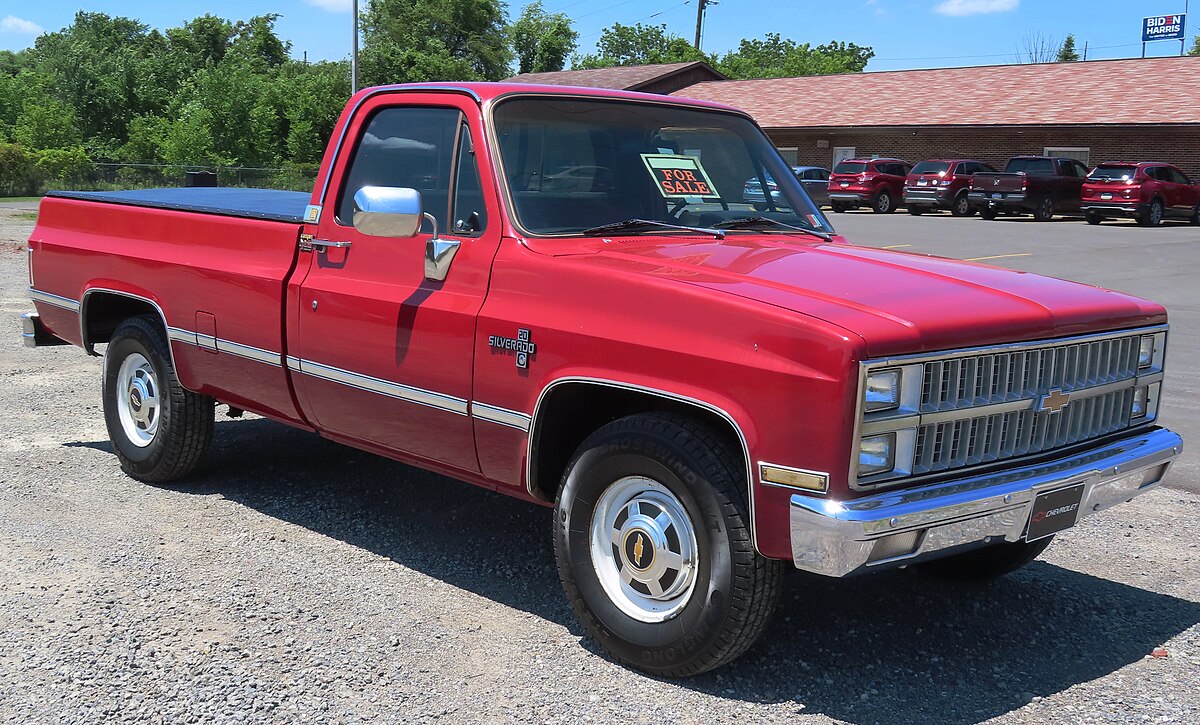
<point x="653" y="544"/>
<point x="988" y="562"/>
<point x="158" y="430"/>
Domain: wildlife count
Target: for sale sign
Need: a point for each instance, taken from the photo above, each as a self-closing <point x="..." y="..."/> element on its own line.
<point x="679" y="177"/>
<point x="1162" y="27"/>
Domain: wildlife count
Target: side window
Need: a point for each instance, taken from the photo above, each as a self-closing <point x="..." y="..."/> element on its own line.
<point x="822" y="174"/>
<point x="1080" y="170"/>
<point x="404" y="147"/>
<point x="1156" y="173"/>
<point x="1069" y="169"/>
<point x="470" y="213"/>
<point x="1178" y="176"/>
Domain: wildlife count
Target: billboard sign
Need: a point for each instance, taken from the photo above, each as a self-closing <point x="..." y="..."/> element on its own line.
<point x="1162" y="27"/>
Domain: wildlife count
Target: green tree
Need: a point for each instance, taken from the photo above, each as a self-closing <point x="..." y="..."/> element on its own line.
<point x="421" y="40"/>
<point x="48" y="124"/>
<point x="776" y="57"/>
<point x="639" y="45"/>
<point x="201" y="42"/>
<point x="1067" y="52"/>
<point x="542" y="41"/>
<point x="1195" y="46"/>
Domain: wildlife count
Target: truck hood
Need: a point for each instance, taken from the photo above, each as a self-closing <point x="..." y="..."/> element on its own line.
<point x="897" y="302"/>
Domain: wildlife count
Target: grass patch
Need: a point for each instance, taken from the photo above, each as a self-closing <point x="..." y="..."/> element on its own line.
<point x="29" y="216"/>
<point x="20" y="198"/>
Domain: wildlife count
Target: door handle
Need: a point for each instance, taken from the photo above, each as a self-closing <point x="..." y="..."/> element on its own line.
<point x="323" y="244"/>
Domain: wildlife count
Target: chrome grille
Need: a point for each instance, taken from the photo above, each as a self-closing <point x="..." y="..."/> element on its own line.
<point x="970" y="441"/>
<point x="1013" y="375"/>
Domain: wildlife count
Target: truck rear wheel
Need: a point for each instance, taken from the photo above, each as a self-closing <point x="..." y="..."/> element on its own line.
<point x="988" y="562"/>
<point x="653" y="544"/>
<point x="1044" y="211"/>
<point x="158" y="430"/>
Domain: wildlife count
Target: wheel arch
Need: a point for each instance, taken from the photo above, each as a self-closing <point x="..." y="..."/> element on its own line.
<point x="102" y="309"/>
<point x="550" y="446"/>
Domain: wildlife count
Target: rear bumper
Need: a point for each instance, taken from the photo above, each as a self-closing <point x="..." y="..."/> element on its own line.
<point x="999" y="200"/>
<point x="896" y="528"/>
<point x="928" y="197"/>
<point x="35" y="334"/>
<point x="1122" y="210"/>
<point x="850" y="197"/>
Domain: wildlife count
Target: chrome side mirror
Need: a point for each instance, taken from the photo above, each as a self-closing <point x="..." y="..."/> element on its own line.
<point x="385" y="211"/>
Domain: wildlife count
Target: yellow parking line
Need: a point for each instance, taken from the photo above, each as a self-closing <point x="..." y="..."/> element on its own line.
<point x="896" y="246"/>
<point x="997" y="256"/>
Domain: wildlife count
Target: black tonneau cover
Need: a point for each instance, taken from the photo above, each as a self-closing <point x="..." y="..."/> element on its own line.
<point x="269" y="204"/>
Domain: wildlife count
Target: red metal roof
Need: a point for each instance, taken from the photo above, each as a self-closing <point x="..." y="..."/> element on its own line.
<point x="1148" y="91"/>
<point x="629" y="77"/>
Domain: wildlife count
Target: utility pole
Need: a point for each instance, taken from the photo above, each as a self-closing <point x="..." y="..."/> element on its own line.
<point x="701" y="6"/>
<point x="354" y="53"/>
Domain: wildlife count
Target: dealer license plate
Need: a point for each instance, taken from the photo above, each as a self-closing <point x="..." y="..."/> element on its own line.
<point x="845" y="184"/>
<point x="996" y="196"/>
<point x="1054" y="511"/>
<point x="1106" y="196"/>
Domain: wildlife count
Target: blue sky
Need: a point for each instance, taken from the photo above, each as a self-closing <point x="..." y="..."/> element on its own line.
<point x="904" y="33"/>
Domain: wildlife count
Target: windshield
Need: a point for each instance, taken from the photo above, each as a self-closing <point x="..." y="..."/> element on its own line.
<point x="850" y="167"/>
<point x="931" y="167"/>
<point x="572" y="164"/>
<point x="1031" y="167"/>
<point x="1112" y="173"/>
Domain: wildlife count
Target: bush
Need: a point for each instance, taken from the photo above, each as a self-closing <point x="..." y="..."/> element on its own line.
<point x="64" y="167"/>
<point x="19" y="175"/>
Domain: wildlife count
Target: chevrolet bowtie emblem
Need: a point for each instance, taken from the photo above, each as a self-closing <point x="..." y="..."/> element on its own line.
<point x="637" y="551"/>
<point x="1053" y="402"/>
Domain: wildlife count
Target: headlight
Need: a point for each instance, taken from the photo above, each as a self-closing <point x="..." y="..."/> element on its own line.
<point x="1146" y="351"/>
<point x="882" y="390"/>
<point x="877" y="454"/>
<point x="1141" y="399"/>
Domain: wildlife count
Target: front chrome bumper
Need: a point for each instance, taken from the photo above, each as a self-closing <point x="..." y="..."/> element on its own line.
<point x="895" y="528"/>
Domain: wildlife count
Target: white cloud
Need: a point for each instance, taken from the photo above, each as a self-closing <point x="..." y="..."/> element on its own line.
<point x="13" y="24"/>
<point x="335" y="6"/>
<point x="962" y="8"/>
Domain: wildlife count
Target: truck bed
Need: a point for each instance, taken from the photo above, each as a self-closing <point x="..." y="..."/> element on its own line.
<point x="267" y="204"/>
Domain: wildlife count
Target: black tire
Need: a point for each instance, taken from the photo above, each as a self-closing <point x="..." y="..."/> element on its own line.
<point x="883" y="203"/>
<point x="734" y="590"/>
<point x="1092" y="218"/>
<point x="1153" y="215"/>
<point x="916" y="210"/>
<point x="1044" y="211"/>
<point x="183" y="421"/>
<point x="989" y="562"/>
<point x="987" y="214"/>
<point x="1196" y="215"/>
<point x="837" y="207"/>
<point x="961" y="206"/>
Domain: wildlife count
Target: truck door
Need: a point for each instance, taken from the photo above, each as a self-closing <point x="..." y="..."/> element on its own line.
<point x="383" y="356"/>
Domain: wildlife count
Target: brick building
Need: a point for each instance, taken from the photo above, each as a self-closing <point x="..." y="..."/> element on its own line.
<point x="1106" y="110"/>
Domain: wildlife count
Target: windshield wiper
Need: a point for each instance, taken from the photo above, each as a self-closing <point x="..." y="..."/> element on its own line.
<point x="758" y="222"/>
<point x="638" y="226"/>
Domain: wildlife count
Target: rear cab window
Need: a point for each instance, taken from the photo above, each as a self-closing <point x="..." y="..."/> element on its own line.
<point x="1031" y="167"/>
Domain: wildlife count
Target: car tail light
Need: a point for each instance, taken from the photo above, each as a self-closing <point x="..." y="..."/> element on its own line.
<point x="1024" y="183"/>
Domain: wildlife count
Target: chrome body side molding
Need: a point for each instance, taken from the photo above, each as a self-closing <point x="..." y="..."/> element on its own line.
<point x="500" y="416"/>
<point x="408" y="393"/>
<point x="65" y="303"/>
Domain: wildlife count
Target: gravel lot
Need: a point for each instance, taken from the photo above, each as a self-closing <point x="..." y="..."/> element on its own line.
<point x="293" y="580"/>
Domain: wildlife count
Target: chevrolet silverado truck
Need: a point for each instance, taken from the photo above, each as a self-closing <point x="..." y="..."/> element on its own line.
<point x="1041" y="185"/>
<point x="560" y="294"/>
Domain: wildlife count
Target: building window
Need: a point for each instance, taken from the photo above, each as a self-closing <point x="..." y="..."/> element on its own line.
<point x="789" y="154"/>
<point x="1082" y="154"/>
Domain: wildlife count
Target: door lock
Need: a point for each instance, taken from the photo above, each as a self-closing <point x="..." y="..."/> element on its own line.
<point x="314" y="304"/>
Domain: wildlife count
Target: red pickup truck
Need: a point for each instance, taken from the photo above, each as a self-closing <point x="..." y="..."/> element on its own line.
<point x="559" y="294"/>
<point x="1041" y="185"/>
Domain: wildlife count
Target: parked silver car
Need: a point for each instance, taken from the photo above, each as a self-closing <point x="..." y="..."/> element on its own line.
<point x="814" y="179"/>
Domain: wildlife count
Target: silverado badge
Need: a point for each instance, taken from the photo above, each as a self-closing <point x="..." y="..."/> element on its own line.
<point x="521" y="346"/>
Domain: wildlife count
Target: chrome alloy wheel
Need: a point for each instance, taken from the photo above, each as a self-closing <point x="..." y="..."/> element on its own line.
<point x="643" y="549"/>
<point x="138" y="403"/>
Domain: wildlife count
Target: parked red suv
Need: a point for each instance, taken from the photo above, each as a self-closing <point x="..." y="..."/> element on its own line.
<point x="941" y="184"/>
<point x="877" y="183"/>
<point x="1148" y="192"/>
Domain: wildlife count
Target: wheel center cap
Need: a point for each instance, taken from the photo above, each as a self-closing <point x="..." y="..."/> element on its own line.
<point x="639" y="549"/>
<point x="135" y="399"/>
